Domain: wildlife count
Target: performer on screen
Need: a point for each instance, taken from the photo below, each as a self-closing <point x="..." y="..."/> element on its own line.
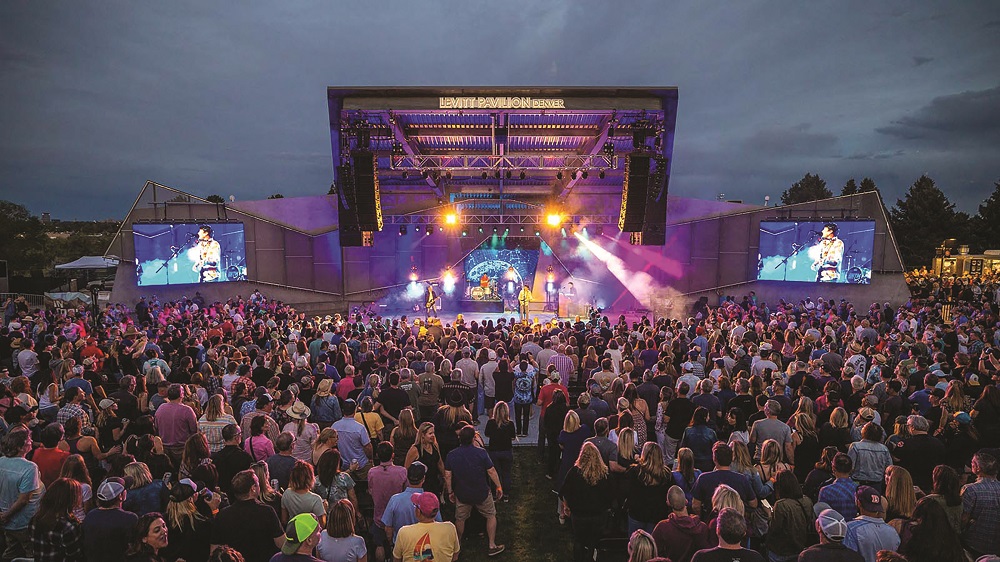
<point x="524" y="299"/>
<point x="830" y="256"/>
<point x="209" y="256"/>
<point x="430" y="304"/>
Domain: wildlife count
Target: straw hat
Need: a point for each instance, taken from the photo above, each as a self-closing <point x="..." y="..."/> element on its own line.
<point x="325" y="388"/>
<point x="299" y="411"/>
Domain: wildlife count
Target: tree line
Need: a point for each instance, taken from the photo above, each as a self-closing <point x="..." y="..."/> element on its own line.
<point x="921" y="220"/>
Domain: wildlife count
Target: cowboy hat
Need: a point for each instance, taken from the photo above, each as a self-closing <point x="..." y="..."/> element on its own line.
<point x="325" y="388"/>
<point x="299" y="411"/>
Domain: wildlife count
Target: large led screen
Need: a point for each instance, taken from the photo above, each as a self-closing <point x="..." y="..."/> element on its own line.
<point x="816" y="251"/>
<point x="175" y="254"/>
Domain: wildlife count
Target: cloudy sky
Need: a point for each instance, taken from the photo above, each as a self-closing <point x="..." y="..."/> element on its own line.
<point x="229" y="98"/>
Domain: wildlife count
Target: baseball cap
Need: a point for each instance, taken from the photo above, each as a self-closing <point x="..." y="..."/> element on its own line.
<point x="832" y="524"/>
<point x="106" y="403"/>
<point x="416" y="472"/>
<point x="869" y="499"/>
<point x="426" y="502"/>
<point x="298" y="531"/>
<point x="111" y="489"/>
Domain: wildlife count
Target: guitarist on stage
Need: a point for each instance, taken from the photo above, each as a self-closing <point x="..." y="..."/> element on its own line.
<point x="431" y="301"/>
<point x="523" y="300"/>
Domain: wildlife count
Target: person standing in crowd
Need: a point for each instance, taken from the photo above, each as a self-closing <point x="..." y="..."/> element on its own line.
<point x="920" y="452"/>
<point x="501" y="433"/>
<point x="868" y="533"/>
<point x="680" y="535"/>
<point x="979" y="507"/>
<point x="247" y="525"/>
<point x="354" y="441"/>
<point x="384" y="481"/>
<point x="468" y="474"/>
<point x="175" y="423"/>
<point x="302" y="534"/>
<point x="832" y="528"/>
<point x="428" y="538"/>
<point x="586" y="497"/>
<point x="731" y="529"/>
<point x="107" y="527"/>
<point x="840" y="494"/>
<point x="705" y="486"/>
<point x="21" y="492"/>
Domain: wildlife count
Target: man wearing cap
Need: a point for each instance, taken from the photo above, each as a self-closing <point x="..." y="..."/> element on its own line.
<point x="831" y="528"/>
<point x="248" y="525"/>
<point x="262" y="407"/>
<point x="107" y="528"/>
<point x="399" y="511"/>
<point x="301" y="538"/>
<point x="868" y="533"/>
<point x="428" y="538"/>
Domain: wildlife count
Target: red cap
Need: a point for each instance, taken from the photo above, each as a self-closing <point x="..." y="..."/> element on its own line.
<point x="426" y="502"/>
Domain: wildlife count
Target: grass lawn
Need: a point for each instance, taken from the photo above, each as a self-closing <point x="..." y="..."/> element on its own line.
<point x="528" y="525"/>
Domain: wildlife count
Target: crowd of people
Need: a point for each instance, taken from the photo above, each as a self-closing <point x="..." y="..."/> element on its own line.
<point x="244" y="430"/>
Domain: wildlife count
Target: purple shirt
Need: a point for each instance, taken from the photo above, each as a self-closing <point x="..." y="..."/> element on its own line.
<point x="175" y="422"/>
<point x="384" y="481"/>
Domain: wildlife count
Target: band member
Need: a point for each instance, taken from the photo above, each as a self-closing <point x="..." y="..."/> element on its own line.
<point x="484" y="282"/>
<point x="524" y="299"/>
<point x="569" y="296"/>
<point x="209" y="255"/>
<point x="830" y="255"/>
<point x="430" y="304"/>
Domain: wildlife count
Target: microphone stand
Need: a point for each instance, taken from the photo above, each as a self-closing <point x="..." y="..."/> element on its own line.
<point x="796" y="248"/>
<point x="175" y="251"/>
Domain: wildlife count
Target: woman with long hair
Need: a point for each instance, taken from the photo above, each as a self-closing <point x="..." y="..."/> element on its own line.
<point x="736" y="424"/>
<point x="900" y="495"/>
<point x="447" y="419"/>
<point x="268" y="495"/>
<point x="299" y="496"/>
<point x="724" y="496"/>
<point x="947" y="491"/>
<point x="791" y="519"/>
<point x="836" y="432"/>
<point x="805" y="439"/>
<point x="427" y="451"/>
<point x="586" y="495"/>
<point x="257" y="445"/>
<point x="75" y="468"/>
<point x="403" y="436"/>
<point x="56" y="534"/>
<point x="900" y="432"/>
<point x="639" y="410"/>
<point x="986" y="416"/>
<point x="685" y="474"/>
<point x="929" y="537"/>
<point x="570" y="441"/>
<point x="501" y="433"/>
<point x="332" y="483"/>
<point x="821" y="472"/>
<point x="770" y="460"/>
<point x="148" y="539"/>
<point x="700" y="437"/>
<point x="328" y="439"/>
<point x="647" y="485"/>
<point x="85" y="446"/>
<point x="189" y="529"/>
<point x="305" y="432"/>
<point x="553" y="425"/>
<point x="641" y="546"/>
<point x="213" y="421"/>
<point x="195" y="452"/>
<point x="338" y="542"/>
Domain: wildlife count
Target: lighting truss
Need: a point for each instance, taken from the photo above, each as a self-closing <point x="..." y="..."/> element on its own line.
<point x="505" y="162"/>
<point x="532" y="219"/>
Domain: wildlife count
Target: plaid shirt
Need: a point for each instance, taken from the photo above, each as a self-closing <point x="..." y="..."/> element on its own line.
<point x="71" y="410"/>
<point x="980" y="500"/>
<point x="840" y="496"/>
<point x="63" y="543"/>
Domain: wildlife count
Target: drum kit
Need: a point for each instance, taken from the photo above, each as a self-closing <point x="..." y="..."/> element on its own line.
<point x="859" y="274"/>
<point x="235" y="266"/>
<point x="487" y="292"/>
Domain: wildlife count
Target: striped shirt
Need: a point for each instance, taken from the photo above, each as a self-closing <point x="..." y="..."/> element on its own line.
<point x="563" y="364"/>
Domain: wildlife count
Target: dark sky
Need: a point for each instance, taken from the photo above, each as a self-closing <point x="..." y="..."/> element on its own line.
<point x="229" y="98"/>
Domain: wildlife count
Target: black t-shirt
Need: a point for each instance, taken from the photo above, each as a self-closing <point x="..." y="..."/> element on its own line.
<point x="679" y="410"/>
<point x="920" y="454"/>
<point x="744" y="402"/>
<point x="106" y="534"/>
<point x="719" y="554"/>
<point x="504" y="383"/>
<point x="501" y="436"/>
<point x="228" y="461"/>
<point x="249" y="527"/>
<point x="393" y="400"/>
<point x="830" y="552"/>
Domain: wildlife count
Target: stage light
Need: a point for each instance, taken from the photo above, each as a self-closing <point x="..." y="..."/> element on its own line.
<point x="508" y="174"/>
<point x="451" y="218"/>
<point x="538" y="233"/>
<point x="494" y="230"/>
<point x="405" y="174"/>
<point x="436" y="175"/>
<point x="522" y="175"/>
<point x="599" y="230"/>
<point x="413" y="274"/>
<point x="425" y="174"/>
<point x="484" y="175"/>
<point x="447" y="174"/>
<point x="522" y="230"/>
<point x="430" y="229"/>
<point x="402" y="230"/>
<point x="559" y="175"/>
<point x="497" y="174"/>
<point x="553" y="219"/>
<point x="585" y="174"/>
<point x="448" y="280"/>
<point x="480" y="230"/>
<point x="465" y="232"/>
<point x="600" y="174"/>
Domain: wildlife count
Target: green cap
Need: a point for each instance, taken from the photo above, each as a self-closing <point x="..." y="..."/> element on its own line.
<point x="298" y="531"/>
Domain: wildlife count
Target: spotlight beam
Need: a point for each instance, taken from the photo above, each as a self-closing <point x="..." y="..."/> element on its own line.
<point x="638" y="283"/>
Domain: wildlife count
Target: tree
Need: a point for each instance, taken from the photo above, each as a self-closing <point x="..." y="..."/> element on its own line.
<point x="867" y="185"/>
<point x="924" y="218"/>
<point x="850" y="188"/>
<point x="23" y="242"/>
<point x="985" y="226"/>
<point x="276" y="196"/>
<point x="213" y="198"/>
<point x="809" y="188"/>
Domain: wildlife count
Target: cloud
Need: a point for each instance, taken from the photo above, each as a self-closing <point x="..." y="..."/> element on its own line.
<point x="791" y="141"/>
<point x="920" y="61"/>
<point x="967" y="117"/>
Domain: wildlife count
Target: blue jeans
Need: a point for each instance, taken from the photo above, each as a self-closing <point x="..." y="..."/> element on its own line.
<point x="634" y="525"/>
<point x="504" y="463"/>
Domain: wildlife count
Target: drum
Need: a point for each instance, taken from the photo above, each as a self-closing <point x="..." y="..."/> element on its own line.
<point x="478" y="293"/>
<point x="233" y="273"/>
<point x="855" y="275"/>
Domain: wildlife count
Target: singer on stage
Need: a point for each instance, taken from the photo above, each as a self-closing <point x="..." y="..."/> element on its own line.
<point x="430" y="304"/>
<point x="524" y="299"/>
<point x="831" y="255"/>
<point x="209" y="256"/>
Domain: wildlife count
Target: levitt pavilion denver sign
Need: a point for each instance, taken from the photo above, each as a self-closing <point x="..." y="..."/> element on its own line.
<point x="500" y="102"/>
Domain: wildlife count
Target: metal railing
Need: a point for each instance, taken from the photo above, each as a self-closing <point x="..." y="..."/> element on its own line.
<point x="34" y="301"/>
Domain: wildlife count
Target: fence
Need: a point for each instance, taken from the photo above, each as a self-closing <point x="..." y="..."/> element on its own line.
<point x="34" y="301"/>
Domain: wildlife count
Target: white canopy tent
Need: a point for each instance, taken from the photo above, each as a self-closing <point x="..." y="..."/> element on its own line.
<point x="90" y="262"/>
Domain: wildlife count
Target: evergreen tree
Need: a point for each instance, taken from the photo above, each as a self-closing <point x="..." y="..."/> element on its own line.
<point x="985" y="226"/>
<point x="867" y="185"/>
<point x="922" y="219"/>
<point x="810" y="188"/>
<point x="276" y="196"/>
<point x="213" y="198"/>
<point x="850" y="188"/>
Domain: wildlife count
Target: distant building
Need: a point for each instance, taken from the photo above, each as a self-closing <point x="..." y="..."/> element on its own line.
<point x="46" y="218"/>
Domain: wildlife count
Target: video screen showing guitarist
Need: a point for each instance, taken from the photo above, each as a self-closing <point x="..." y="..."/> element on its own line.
<point x="831" y="254"/>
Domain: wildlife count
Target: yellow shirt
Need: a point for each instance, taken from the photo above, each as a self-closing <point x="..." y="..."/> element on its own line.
<point x="374" y="420"/>
<point x="427" y="541"/>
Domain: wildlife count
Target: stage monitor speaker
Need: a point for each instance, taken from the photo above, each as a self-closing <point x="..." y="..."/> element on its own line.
<point x="654" y="224"/>
<point x="369" y="204"/>
<point x="634" y="192"/>
<point x="347" y="211"/>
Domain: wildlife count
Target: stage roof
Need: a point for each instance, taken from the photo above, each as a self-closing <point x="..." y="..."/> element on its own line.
<point x="445" y="139"/>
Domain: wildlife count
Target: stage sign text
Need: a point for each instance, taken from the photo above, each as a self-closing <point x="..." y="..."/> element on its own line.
<point x="500" y="102"/>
